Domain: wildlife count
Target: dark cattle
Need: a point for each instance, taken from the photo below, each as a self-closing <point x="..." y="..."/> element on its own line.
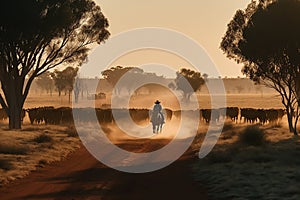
<point x="249" y="115"/>
<point x="230" y="113"/>
<point x="47" y="115"/>
<point x="86" y="115"/>
<point x="3" y="115"/>
<point x="66" y="115"/>
<point x="206" y="115"/>
<point x="233" y="113"/>
<point x="274" y="115"/>
<point x="106" y="115"/>
<point x="35" y="115"/>
<point x="281" y="113"/>
<point x="215" y="115"/>
<point x="169" y="114"/>
<point x="210" y="114"/>
<point x="262" y="116"/>
<point x="32" y="114"/>
<point x="52" y="116"/>
<point x="139" y="115"/>
<point x="119" y="114"/>
<point x="223" y="112"/>
<point x="177" y="114"/>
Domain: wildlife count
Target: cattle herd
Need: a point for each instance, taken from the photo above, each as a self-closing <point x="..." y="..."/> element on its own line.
<point x="64" y="115"/>
<point x="246" y="115"/>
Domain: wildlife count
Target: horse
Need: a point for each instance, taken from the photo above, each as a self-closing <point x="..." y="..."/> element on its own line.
<point x="157" y="122"/>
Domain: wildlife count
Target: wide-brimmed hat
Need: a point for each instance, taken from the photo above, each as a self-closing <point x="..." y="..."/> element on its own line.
<point x="157" y="102"/>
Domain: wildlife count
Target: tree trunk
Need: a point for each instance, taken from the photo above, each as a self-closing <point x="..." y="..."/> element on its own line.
<point x="15" y="106"/>
<point x="296" y="122"/>
<point x="15" y="118"/>
<point x="290" y="122"/>
<point x="295" y="130"/>
<point x="15" y="91"/>
<point x="289" y="113"/>
<point x="14" y="99"/>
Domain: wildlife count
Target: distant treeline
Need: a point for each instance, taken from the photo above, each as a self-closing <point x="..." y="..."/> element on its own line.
<point x="232" y="86"/>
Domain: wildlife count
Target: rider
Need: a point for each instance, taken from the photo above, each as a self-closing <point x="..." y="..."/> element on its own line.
<point x="157" y="107"/>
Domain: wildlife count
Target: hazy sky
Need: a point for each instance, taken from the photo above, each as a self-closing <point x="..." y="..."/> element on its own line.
<point x="203" y="20"/>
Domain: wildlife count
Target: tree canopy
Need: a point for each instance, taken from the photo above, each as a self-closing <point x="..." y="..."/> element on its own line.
<point x="131" y="77"/>
<point x="188" y="81"/>
<point x="265" y="39"/>
<point x="65" y="79"/>
<point x="113" y="74"/>
<point x="45" y="82"/>
<point x="38" y="35"/>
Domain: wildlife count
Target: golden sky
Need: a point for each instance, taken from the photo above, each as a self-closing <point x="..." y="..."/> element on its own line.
<point x="205" y="21"/>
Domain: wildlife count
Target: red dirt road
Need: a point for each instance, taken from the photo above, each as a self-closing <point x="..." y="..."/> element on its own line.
<point x="81" y="176"/>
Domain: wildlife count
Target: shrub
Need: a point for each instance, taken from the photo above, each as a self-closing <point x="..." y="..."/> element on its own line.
<point x="42" y="163"/>
<point x="5" y="164"/>
<point x="71" y="133"/>
<point x="227" y="127"/>
<point x="43" y="138"/>
<point x="31" y="128"/>
<point x="13" y="149"/>
<point x="252" y="136"/>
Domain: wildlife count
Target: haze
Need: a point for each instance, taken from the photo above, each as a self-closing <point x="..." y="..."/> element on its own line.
<point x="204" y="21"/>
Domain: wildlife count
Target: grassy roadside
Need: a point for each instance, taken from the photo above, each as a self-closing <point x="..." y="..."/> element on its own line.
<point x="252" y="163"/>
<point x="33" y="147"/>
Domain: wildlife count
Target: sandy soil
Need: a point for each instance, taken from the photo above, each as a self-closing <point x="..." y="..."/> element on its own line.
<point x="81" y="176"/>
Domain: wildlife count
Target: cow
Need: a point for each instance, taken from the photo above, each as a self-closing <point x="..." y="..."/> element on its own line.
<point x="3" y="115"/>
<point x="210" y="114"/>
<point x="249" y="115"/>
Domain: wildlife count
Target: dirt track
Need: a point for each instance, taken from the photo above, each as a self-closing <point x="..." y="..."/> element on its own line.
<point x="81" y="176"/>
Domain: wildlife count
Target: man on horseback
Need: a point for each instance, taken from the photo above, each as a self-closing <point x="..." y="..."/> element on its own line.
<point x="158" y="109"/>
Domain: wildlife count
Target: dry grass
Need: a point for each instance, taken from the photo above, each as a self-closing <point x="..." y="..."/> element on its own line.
<point x="265" y="169"/>
<point x="37" y="100"/>
<point x="13" y="149"/>
<point x="71" y="132"/>
<point x="32" y="147"/>
<point x="43" y="138"/>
